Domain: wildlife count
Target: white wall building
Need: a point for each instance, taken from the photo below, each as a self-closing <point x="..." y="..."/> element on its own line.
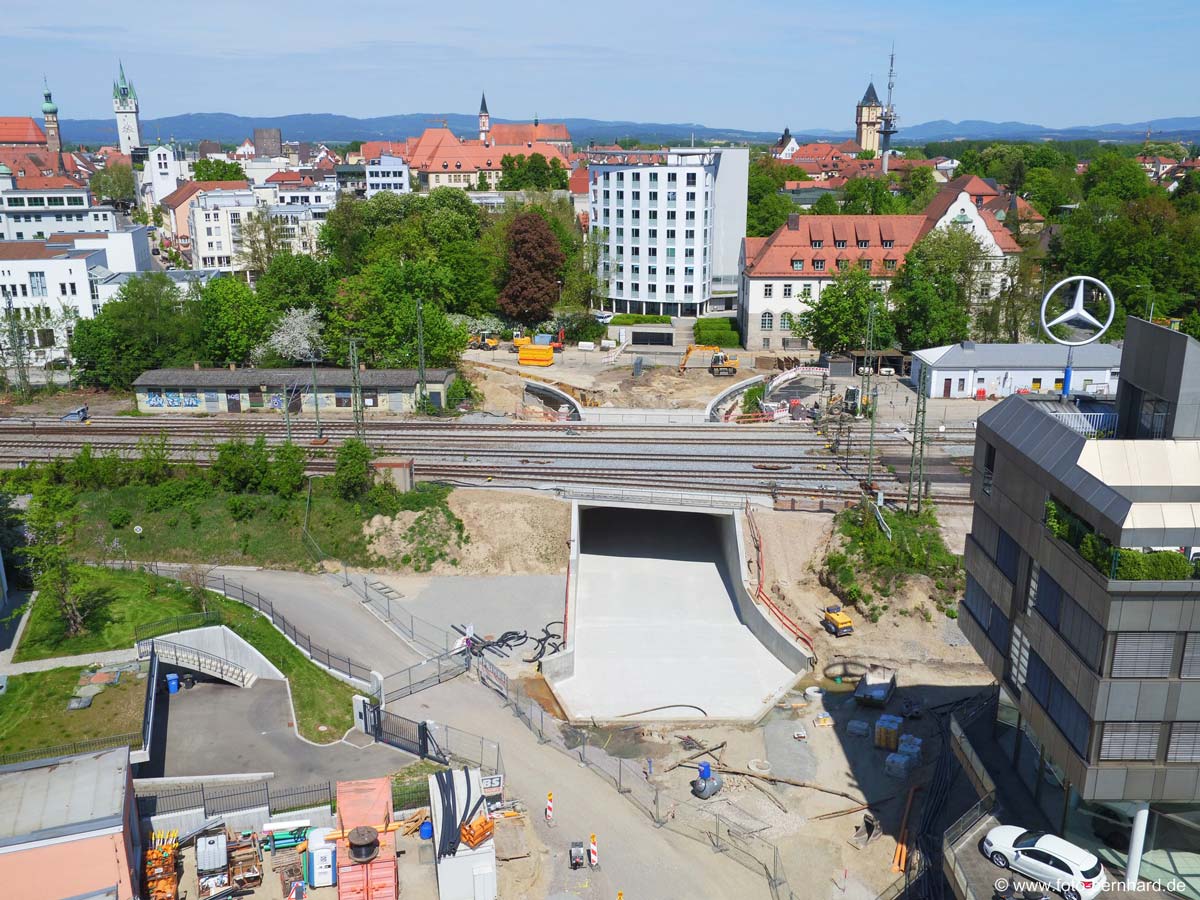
<point x="214" y="222"/>
<point x="165" y="170"/>
<point x="36" y="206"/>
<point x="963" y="370"/>
<point x="44" y="288"/>
<point x="669" y="225"/>
<point x="387" y="173"/>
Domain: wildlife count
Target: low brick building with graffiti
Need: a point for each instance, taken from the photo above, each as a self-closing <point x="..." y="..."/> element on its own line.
<point x="235" y="390"/>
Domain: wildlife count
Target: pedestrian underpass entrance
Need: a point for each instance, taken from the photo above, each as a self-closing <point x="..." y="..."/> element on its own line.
<point x="661" y="625"/>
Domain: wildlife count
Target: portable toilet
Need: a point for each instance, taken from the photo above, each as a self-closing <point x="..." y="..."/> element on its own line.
<point x="320" y="861"/>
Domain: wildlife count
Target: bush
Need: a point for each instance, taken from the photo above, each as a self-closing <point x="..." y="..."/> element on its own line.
<point x="751" y="397"/>
<point x="1166" y="565"/>
<point x="582" y="327"/>
<point x="716" y="332"/>
<point x="352" y="470"/>
<point x="242" y="467"/>
<point x="634" y="319"/>
<point x="175" y="493"/>
<point x="286" y="475"/>
<point x="119" y="517"/>
<point x="240" y="508"/>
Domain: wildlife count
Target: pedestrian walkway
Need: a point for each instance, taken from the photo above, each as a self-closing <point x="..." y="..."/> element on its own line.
<point x="103" y="658"/>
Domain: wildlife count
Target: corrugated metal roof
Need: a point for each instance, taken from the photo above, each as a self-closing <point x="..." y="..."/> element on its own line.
<point x="968" y="355"/>
<point x="326" y="378"/>
<point x="62" y="796"/>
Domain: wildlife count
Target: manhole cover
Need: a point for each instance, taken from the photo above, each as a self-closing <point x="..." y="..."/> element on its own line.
<point x="322" y="728"/>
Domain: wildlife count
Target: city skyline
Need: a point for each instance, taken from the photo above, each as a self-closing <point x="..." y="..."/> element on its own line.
<point x="756" y="66"/>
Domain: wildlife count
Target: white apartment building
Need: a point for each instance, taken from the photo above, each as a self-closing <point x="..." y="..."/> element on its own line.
<point x="214" y="223"/>
<point x="36" y="206"/>
<point x="669" y="225"/>
<point x="387" y="173"/>
<point x="44" y="287"/>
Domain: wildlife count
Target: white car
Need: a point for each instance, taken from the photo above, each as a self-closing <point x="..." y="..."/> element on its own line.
<point x="602" y="316"/>
<point x="1070" y="870"/>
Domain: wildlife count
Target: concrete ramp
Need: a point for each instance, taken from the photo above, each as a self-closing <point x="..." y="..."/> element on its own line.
<point x="660" y="630"/>
<point x="213" y="650"/>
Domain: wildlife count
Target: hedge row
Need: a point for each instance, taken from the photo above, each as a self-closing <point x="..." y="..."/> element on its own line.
<point x="635" y="319"/>
<point x="716" y="332"/>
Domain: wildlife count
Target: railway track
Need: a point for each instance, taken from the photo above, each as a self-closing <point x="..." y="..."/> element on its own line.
<point x="781" y="460"/>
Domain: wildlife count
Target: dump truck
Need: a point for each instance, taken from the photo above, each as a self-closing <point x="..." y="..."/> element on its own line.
<point x="876" y="686"/>
<point x="836" y="621"/>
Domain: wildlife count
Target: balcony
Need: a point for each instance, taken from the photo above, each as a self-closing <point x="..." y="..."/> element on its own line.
<point x="1118" y="563"/>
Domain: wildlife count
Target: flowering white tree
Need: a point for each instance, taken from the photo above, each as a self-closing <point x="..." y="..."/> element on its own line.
<point x="296" y="337"/>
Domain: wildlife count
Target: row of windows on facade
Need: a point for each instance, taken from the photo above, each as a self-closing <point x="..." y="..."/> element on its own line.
<point x="46" y="201"/>
<point x="210" y="262"/>
<point x="652" y="252"/>
<point x="380" y="173"/>
<point x="652" y="289"/>
<point x="689" y="234"/>
<point x="385" y="186"/>
<point x="234" y="216"/>
<point x="601" y="217"/>
<point x="689" y="272"/>
<point x="651" y="196"/>
<point x="636" y="177"/>
<point x="58" y="217"/>
<point x="37" y="287"/>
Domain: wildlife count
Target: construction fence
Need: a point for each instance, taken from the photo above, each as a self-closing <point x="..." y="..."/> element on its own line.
<point x="378" y="598"/>
<point x="725" y="833"/>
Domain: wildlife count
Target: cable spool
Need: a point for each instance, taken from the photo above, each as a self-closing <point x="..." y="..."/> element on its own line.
<point x="364" y="844"/>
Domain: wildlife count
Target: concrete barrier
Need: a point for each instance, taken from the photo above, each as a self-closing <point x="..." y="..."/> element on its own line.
<point x="220" y="641"/>
<point x="782" y="645"/>
<point x="710" y="411"/>
<point x="562" y="664"/>
<point x="546" y="392"/>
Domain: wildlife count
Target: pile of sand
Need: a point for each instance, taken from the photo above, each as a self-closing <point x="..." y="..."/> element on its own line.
<point x="509" y="533"/>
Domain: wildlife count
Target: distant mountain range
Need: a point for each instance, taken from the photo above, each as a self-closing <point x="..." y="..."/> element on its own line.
<point x="331" y="128"/>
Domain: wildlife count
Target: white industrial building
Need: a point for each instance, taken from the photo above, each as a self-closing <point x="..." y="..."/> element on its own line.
<point x="669" y="226"/>
<point x="963" y="370"/>
<point x="387" y="173"/>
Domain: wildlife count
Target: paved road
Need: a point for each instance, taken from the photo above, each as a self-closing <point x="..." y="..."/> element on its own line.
<point x="219" y="729"/>
<point x="637" y="858"/>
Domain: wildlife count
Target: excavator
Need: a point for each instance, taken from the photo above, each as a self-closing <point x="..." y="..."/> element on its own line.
<point x="485" y="340"/>
<point x="721" y="363"/>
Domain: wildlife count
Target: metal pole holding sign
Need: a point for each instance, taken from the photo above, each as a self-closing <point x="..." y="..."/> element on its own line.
<point x="1076" y="314"/>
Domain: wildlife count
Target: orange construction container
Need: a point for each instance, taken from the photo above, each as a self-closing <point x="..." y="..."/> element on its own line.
<point x="536" y="355"/>
<point x="367" y="802"/>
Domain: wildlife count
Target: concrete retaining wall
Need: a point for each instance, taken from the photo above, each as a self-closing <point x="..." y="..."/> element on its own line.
<point x="710" y="411"/>
<point x="562" y="664"/>
<point x="549" y="395"/>
<point x="220" y="641"/>
<point x="781" y="644"/>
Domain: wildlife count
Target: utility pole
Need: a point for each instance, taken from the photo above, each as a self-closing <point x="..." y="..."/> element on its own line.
<point x="356" y="397"/>
<point x="916" y="462"/>
<point x="869" y="396"/>
<point x="316" y="397"/>
<point x="421" y="391"/>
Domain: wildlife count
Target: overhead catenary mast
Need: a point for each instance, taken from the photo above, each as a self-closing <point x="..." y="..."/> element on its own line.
<point x="888" y="119"/>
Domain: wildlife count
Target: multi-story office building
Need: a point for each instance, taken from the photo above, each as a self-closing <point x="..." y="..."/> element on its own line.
<point x="1083" y="599"/>
<point x="669" y="226"/>
<point x="386" y="172"/>
<point x="35" y="206"/>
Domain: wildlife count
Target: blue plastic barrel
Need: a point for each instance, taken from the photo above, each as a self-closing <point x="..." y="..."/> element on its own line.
<point x="172" y="683"/>
<point x="426" y="830"/>
<point x="705" y="771"/>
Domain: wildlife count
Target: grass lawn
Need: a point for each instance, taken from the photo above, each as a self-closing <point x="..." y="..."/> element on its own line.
<point x="319" y="698"/>
<point x="34" y="714"/>
<point x="204" y="529"/>
<point x="119" y="602"/>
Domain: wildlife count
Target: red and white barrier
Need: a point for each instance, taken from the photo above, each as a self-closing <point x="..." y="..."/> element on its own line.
<point x="593" y="854"/>
<point x="550" y="809"/>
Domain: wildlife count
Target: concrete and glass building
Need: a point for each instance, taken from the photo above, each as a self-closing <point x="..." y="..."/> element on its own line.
<point x="1083" y="598"/>
<point x="386" y="173"/>
<point x="669" y="226"/>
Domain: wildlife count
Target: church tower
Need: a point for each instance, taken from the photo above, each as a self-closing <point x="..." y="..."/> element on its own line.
<point x="50" y="114"/>
<point x="868" y="117"/>
<point x="125" y="105"/>
<point x="484" y="119"/>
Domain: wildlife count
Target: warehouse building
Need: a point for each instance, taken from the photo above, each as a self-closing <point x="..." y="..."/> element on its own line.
<point x="199" y="390"/>
<point x="965" y="369"/>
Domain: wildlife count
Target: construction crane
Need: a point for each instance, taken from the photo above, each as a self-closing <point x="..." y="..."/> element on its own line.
<point x="720" y="363"/>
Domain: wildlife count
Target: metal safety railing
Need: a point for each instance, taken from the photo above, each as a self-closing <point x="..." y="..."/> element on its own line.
<point x="760" y="593"/>
<point x="192" y="658"/>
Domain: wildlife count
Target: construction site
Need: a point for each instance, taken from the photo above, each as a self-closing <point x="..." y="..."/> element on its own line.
<point x="642" y="618"/>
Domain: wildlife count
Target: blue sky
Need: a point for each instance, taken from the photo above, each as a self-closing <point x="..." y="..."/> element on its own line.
<point x="755" y="64"/>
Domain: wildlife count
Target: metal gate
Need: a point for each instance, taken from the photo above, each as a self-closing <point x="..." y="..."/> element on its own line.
<point x="396" y="730"/>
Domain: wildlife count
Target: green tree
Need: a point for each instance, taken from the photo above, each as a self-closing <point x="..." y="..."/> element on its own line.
<point x="870" y="197"/>
<point x="218" y="170"/>
<point x="51" y="520"/>
<point x="926" y="307"/>
<point x="532" y="173"/>
<point x="1111" y="174"/>
<point x="1049" y="189"/>
<point x="352" y="470"/>
<point x="263" y="238"/>
<point x="826" y="205"/>
<point x="866" y="154"/>
<point x="114" y="183"/>
<point x="766" y="208"/>
<point x="1012" y="317"/>
<point x="535" y="260"/>
<point x="234" y="320"/>
<point x="918" y="188"/>
<point x="147" y="325"/>
<point x="292" y="280"/>
<point x="769" y="214"/>
<point x="240" y="467"/>
<point x="286" y="476"/>
<point x="951" y="259"/>
<point x="837" y="320"/>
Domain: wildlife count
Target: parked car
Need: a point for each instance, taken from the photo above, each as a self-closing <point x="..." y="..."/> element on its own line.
<point x="1059" y="864"/>
<point x="155" y="251"/>
<point x="602" y="316"/>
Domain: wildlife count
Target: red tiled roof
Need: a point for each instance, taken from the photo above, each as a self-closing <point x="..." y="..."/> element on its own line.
<point x="375" y="149"/>
<point x="45" y="182"/>
<point x="284" y="177"/>
<point x="29" y="250"/>
<point x="578" y="183"/>
<point x="438" y="150"/>
<point x="772" y="257"/>
<point x="182" y="194"/>
<point x="527" y="132"/>
<point x="1003" y="237"/>
<point x="21" y="130"/>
